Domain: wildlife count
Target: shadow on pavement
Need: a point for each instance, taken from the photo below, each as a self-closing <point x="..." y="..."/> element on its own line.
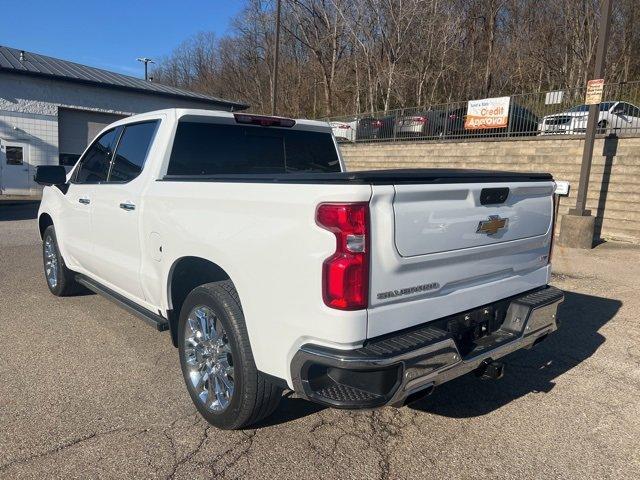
<point x="19" y="210"/>
<point x="290" y="408"/>
<point x="528" y="371"/>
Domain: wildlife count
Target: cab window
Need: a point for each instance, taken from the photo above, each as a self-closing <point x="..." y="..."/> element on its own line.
<point x="94" y="164"/>
<point x="132" y="151"/>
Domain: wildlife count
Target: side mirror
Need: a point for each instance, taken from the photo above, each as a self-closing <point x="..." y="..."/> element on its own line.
<point x="50" y="175"/>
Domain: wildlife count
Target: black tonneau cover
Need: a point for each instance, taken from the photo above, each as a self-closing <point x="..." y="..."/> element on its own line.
<point x="374" y="177"/>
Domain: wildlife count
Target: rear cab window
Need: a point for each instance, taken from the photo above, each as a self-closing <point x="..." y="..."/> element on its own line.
<point x="205" y="148"/>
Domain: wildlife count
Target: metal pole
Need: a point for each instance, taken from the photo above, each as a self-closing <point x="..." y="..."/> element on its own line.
<point x="274" y="86"/>
<point x="146" y="61"/>
<point x="592" y="123"/>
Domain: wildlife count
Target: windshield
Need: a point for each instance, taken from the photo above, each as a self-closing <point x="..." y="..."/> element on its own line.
<point x="604" y="106"/>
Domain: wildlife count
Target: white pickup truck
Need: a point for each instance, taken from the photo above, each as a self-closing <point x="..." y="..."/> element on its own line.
<point x="275" y="269"/>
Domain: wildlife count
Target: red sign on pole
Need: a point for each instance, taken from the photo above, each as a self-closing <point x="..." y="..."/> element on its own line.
<point x="594" y="91"/>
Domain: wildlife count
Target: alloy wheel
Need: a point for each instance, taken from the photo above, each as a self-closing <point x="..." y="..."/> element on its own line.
<point x="209" y="359"/>
<point x="51" y="262"/>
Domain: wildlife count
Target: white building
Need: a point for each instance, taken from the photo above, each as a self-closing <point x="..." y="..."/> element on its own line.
<point x="50" y="109"/>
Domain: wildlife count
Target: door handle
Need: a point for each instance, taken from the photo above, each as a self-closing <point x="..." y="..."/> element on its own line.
<point x="127" y="206"/>
<point x="84" y="201"/>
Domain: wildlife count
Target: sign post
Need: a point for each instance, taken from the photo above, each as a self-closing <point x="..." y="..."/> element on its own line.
<point x="577" y="227"/>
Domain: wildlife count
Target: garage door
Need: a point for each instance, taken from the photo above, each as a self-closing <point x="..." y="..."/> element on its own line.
<point x="76" y="128"/>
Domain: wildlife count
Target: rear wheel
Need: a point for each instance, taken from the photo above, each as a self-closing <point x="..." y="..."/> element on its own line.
<point x="217" y="362"/>
<point x="602" y="127"/>
<point x="60" y="280"/>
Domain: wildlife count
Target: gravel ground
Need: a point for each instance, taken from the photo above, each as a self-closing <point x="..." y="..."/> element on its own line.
<point x="90" y="391"/>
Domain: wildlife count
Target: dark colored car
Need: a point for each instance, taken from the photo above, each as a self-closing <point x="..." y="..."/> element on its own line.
<point x="370" y="128"/>
<point x="521" y="122"/>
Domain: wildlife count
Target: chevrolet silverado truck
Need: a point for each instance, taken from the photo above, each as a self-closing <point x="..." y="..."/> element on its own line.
<point x="273" y="268"/>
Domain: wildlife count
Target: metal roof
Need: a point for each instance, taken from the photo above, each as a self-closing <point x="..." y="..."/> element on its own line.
<point x="41" y="65"/>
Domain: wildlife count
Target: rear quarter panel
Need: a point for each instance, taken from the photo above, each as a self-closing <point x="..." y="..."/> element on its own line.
<point x="265" y="237"/>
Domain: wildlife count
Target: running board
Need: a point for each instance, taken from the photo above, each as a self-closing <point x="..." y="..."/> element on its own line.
<point x="155" y="320"/>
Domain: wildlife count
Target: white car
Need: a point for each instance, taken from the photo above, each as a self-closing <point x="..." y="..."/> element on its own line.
<point x="273" y="268"/>
<point x="344" y="131"/>
<point x="618" y="117"/>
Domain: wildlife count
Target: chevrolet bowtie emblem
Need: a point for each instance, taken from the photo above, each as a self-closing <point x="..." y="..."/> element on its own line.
<point x="492" y="225"/>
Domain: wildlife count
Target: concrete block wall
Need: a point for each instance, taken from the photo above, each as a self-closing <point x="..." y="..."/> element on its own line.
<point x="614" y="188"/>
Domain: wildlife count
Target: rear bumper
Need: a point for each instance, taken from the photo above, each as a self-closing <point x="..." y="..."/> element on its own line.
<point x="390" y="369"/>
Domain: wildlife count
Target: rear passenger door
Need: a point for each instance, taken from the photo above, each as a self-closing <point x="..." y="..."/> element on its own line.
<point x="116" y="213"/>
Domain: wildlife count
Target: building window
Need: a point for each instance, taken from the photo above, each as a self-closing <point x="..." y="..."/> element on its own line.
<point x="68" y="159"/>
<point x="14" y="155"/>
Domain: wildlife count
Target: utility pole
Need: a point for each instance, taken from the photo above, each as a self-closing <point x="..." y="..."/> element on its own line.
<point x="578" y="226"/>
<point x="274" y="85"/>
<point x="146" y="61"/>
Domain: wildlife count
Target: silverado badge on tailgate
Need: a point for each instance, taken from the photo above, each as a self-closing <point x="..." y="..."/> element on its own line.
<point x="492" y="225"/>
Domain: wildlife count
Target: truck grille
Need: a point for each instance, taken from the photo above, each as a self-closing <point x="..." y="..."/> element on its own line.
<point x="557" y="120"/>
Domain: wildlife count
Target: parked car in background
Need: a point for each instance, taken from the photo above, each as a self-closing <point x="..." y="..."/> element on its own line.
<point x="426" y="124"/>
<point x="344" y="131"/>
<point x="370" y="128"/>
<point x="612" y="116"/>
<point x="522" y="121"/>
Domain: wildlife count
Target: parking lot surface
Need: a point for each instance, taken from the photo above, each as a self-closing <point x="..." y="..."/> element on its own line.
<point x="88" y="390"/>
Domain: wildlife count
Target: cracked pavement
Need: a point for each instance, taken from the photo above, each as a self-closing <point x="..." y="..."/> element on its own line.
<point x="90" y="391"/>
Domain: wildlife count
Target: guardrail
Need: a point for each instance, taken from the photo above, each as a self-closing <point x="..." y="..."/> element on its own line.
<point x="559" y="112"/>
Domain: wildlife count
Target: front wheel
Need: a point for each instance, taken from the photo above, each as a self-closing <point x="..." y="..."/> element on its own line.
<point x="60" y="280"/>
<point x="217" y="362"/>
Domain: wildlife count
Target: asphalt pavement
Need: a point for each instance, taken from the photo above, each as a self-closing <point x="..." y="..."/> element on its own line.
<point x="88" y="390"/>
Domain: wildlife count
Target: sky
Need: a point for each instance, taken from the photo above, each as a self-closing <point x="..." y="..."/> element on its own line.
<point x="110" y="34"/>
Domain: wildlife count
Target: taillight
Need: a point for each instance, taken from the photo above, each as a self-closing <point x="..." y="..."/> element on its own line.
<point x="376" y="123"/>
<point x="554" y="215"/>
<point x="345" y="274"/>
<point x="263" y="120"/>
<point x="346" y="127"/>
<point x="421" y="119"/>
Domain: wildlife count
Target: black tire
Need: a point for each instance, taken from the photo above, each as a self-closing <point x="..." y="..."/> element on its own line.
<point x="254" y="396"/>
<point x="62" y="283"/>
<point x="602" y="127"/>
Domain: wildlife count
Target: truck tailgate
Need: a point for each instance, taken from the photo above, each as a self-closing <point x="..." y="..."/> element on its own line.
<point x="439" y="249"/>
<point x="442" y="218"/>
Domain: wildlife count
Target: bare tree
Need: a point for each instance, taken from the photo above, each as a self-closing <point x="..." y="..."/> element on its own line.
<point x="351" y="56"/>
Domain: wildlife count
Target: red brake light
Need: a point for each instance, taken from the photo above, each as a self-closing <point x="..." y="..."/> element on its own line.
<point x="376" y="123"/>
<point x="421" y="119"/>
<point x="556" y="203"/>
<point x="263" y="120"/>
<point x="345" y="274"/>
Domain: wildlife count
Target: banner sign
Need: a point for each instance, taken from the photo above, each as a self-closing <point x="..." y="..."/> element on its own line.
<point x="487" y="113"/>
<point x="594" y="91"/>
